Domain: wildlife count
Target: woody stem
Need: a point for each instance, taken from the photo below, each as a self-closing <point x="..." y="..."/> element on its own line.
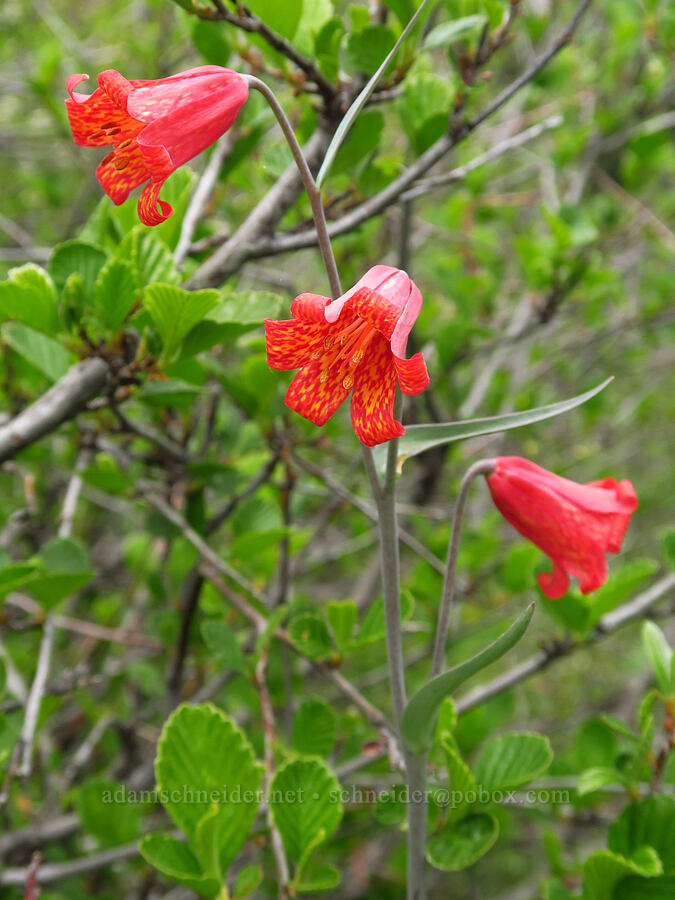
<point x="313" y="192"/>
<point x="385" y="499"/>
<point x="482" y="467"/>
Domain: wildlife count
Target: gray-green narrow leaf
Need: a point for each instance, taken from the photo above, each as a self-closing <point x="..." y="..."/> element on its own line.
<point x="418" y="438"/>
<point x="356" y="107"/>
<point x="419" y="716"/>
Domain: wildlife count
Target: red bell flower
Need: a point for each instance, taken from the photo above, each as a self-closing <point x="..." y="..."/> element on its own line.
<point x="355" y="342"/>
<point x="153" y="126"/>
<point x="574" y="524"/>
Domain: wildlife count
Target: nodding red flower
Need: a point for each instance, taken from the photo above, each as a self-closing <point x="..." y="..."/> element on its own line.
<point x="574" y="524"/>
<point x="356" y="342"/>
<point x="153" y="126"/>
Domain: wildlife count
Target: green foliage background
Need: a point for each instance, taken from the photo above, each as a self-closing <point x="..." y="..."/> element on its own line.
<point x="543" y="272"/>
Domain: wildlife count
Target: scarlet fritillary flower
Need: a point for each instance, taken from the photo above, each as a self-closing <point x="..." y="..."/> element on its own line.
<point x="153" y="126"/>
<point x="355" y="343"/>
<point x="574" y="524"/>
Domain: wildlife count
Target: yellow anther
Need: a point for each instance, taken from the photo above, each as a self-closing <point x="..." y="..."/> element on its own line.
<point x="328" y="341"/>
<point x="348" y="382"/>
<point x="357" y="357"/>
<point x="316" y="353"/>
<point x="323" y="377"/>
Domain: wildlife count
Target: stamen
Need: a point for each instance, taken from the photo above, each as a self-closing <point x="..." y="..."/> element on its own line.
<point x="125" y="144"/>
<point x="357" y="357"/>
<point x="112" y="131"/>
<point x="316" y="353"/>
<point x="323" y="377"/>
<point x="108" y="158"/>
<point x="328" y="341"/>
<point x="121" y="163"/>
<point x="107" y="125"/>
<point x="348" y="382"/>
<point x="96" y="135"/>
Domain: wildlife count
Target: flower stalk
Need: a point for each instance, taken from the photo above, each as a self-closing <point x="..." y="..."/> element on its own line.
<point x="482" y="467"/>
<point x="313" y="192"/>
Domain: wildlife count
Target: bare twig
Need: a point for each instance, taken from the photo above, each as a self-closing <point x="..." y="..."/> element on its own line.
<point x="73" y="495"/>
<point x="62" y="402"/>
<point x="283" y="874"/>
<point x="208" y="554"/>
<point x="171" y="448"/>
<point x="368" y="510"/>
<point x="200" y="196"/>
<point x="495" y="152"/>
<point x="49" y="873"/>
<point x="542" y="660"/>
<point x="230" y="257"/>
<point x="249" y="22"/>
<point x="268" y="246"/>
<point x="22" y="758"/>
<point x="482" y="467"/>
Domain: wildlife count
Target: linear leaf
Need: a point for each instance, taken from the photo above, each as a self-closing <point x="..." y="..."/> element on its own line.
<point x="418" y="438"/>
<point x="356" y="107"/>
<point x="419" y="716"/>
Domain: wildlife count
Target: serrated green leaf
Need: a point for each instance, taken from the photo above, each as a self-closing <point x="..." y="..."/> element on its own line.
<point x="596" y="778"/>
<point x="450" y="32"/>
<point x="247" y="881"/>
<point x="283" y="18"/>
<point x="604" y="869"/>
<point x="511" y="760"/>
<point x="352" y="113"/>
<point x="64" y="555"/>
<point x="327" y="47"/>
<point x="373" y="627"/>
<point x="175" y="860"/>
<point x="76" y="256"/>
<point x="462" y="843"/>
<point x="42" y="352"/>
<point x="29" y="297"/>
<point x="115" y="292"/>
<point x="320" y="878"/>
<point x="460" y="782"/>
<point x="175" y="312"/>
<point x="634" y="888"/>
<point x="202" y="751"/>
<point x="420" y="714"/>
<point x="306" y="805"/>
<point x="94" y="808"/>
<point x="363" y="141"/>
<point x="314" y="728"/>
<point x="636" y="769"/>
<point x="222" y="644"/>
<point x="247" y="308"/>
<point x="418" y="438"/>
<point x="342" y="617"/>
<point x="647" y="822"/>
<point x="309" y="633"/>
<point x="659" y="654"/>
<point x="151" y="258"/>
<point x="367" y="48"/>
<point x="426" y="97"/>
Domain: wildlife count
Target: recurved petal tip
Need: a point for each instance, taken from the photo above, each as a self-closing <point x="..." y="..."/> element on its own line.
<point x="72" y="82"/>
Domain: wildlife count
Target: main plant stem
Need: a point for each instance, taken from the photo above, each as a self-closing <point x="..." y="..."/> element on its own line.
<point x="313" y="192"/>
<point x="385" y="499"/>
<point x="482" y="467"/>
